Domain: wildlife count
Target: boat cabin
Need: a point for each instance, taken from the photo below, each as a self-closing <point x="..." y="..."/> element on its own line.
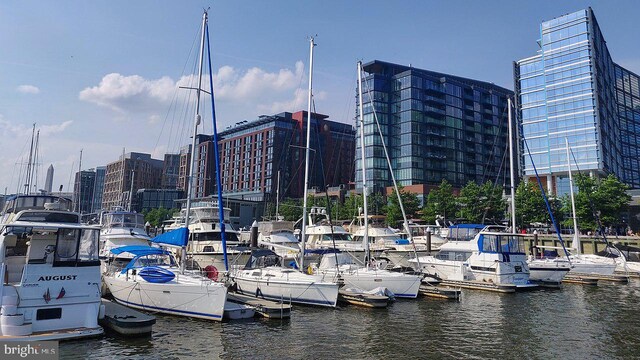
<point x="263" y="258"/>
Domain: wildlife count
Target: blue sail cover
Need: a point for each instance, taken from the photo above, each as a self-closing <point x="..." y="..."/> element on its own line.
<point x="138" y="250"/>
<point x="177" y="237"/>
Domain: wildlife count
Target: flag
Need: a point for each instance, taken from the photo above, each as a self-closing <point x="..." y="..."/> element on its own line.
<point x="47" y="296"/>
<point x="61" y="295"/>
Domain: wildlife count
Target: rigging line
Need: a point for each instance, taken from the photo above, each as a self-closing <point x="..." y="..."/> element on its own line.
<point x="591" y="203"/>
<point x="544" y="194"/>
<point x="175" y="95"/>
<point x="493" y="146"/>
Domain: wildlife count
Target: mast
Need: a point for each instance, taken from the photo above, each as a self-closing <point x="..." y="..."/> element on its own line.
<point x="575" y="244"/>
<point x="223" y="232"/>
<point x="36" y="159"/>
<point x="80" y="184"/>
<point x="512" y="169"/>
<point x="27" y="180"/>
<point x="277" y="195"/>
<point x="133" y="174"/>
<point x="364" y="172"/>
<point x="193" y="143"/>
<point x="306" y="157"/>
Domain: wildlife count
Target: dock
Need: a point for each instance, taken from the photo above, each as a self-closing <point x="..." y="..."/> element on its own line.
<point x="265" y="308"/>
<point x="479" y="285"/>
<point x="573" y="277"/>
<point x="126" y="321"/>
<point x="440" y="292"/>
<point x="363" y="299"/>
<point x="631" y="274"/>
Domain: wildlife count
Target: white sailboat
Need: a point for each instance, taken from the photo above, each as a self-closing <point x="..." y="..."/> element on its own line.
<point x="264" y="276"/>
<point x="51" y="271"/>
<point x="367" y="276"/>
<point x="584" y="263"/>
<point x="153" y="280"/>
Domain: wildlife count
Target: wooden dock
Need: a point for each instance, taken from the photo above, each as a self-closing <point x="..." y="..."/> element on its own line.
<point x="479" y="285"/>
<point x="265" y="308"/>
<point x="631" y="274"/>
<point x="440" y="292"/>
<point x="126" y="321"/>
<point x="573" y="277"/>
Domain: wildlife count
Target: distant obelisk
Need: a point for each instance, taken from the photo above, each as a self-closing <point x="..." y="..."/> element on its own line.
<point x="48" y="183"/>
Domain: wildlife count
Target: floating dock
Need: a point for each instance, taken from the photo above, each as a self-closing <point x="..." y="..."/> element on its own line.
<point x="440" y="292"/>
<point x="622" y="279"/>
<point x="236" y="311"/>
<point x="631" y="274"/>
<point x="479" y="285"/>
<point x="265" y="308"/>
<point x="580" y="279"/>
<point x="363" y="299"/>
<point x="126" y="321"/>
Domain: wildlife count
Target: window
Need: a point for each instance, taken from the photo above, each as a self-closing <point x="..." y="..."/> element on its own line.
<point x="76" y="247"/>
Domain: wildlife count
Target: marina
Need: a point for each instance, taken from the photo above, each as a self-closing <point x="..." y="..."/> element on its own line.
<point x="535" y="325"/>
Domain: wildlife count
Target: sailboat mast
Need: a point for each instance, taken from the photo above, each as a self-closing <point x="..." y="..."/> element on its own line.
<point x="193" y="142"/>
<point x="306" y="157"/>
<point x="512" y="170"/>
<point x="278" y="196"/>
<point x="575" y="244"/>
<point x="27" y="180"/>
<point x="364" y="172"/>
<point x="80" y="185"/>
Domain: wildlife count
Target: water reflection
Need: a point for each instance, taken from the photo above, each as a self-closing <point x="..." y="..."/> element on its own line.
<point x="575" y="322"/>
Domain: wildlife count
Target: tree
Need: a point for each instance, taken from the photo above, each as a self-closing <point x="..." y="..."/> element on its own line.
<point x="376" y="203"/>
<point x="291" y="209"/>
<point x="155" y="217"/>
<point x="409" y="201"/>
<point x="480" y="203"/>
<point x="604" y="198"/>
<point x="530" y="205"/>
<point x="440" y="202"/>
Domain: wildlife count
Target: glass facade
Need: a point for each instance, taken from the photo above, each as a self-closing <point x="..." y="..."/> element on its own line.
<point x="569" y="91"/>
<point x="436" y="126"/>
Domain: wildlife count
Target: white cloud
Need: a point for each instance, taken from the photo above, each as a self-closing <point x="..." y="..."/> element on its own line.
<point x="254" y="89"/>
<point x="28" y="89"/>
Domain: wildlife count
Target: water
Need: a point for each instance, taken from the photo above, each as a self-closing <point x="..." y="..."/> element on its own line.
<point x="577" y="322"/>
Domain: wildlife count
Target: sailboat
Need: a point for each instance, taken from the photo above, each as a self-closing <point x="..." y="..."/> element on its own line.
<point x="367" y="276"/>
<point x="153" y="280"/>
<point x="264" y="275"/>
<point x="584" y="263"/>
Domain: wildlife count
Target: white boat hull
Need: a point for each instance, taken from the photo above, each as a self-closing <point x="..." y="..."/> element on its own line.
<point x="548" y="271"/>
<point x="592" y="264"/>
<point x="204" y="300"/>
<point x="287" y="285"/>
<point x="401" y="285"/>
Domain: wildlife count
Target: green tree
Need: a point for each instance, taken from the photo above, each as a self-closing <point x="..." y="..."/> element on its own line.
<point x="155" y="217"/>
<point x="481" y="203"/>
<point x="349" y="209"/>
<point x="376" y="203"/>
<point x="605" y="198"/>
<point x="291" y="209"/>
<point x="393" y="210"/>
<point x="530" y="206"/>
<point x="440" y="202"/>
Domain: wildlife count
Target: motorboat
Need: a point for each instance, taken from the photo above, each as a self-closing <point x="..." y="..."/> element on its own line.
<point x="419" y="235"/>
<point x="476" y="252"/>
<point x="279" y="236"/>
<point x="121" y="228"/>
<point x="264" y="277"/>
<point x="205" y="236"/>
<point x="153" y="281"/>
<point x="51" y="271"/>
<point x="368" y="276"/>
<point x="548" y="271"/>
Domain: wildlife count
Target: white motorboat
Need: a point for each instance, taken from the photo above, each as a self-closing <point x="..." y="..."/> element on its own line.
<point x="265" y="277"/>
<point x="205" y="236"/>
<point x="419" y="235"/>
<point x="367" y="277"/>
<point x="121" y="228"/>
<point x="548" y="271"/>
<point x="479" y="253"/>
<point x="279" y="237"/>
<point x="153" y="281"/>
<point x="51" y="287"/>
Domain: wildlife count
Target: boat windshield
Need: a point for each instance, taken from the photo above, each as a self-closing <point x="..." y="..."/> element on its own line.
<point x="463" y="233"/>
<point x="337" y="237"/>
<point x="155" y="260"/>
<point x="126" y="220"/>
<point x="213" y="236"/>
<point x="504" y="244"/>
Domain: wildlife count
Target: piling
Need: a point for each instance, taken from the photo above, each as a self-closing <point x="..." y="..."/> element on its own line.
<point x="254" y="234"/>
<point x="429" y="242"/>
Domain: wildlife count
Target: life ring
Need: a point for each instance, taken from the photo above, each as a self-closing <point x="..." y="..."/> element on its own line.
<point x="211" y="272"/>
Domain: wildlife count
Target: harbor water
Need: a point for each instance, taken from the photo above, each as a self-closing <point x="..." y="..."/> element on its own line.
<point x="575" y="322"/>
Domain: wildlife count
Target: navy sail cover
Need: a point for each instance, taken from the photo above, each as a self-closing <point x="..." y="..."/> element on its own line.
<point x="177" y="237"/>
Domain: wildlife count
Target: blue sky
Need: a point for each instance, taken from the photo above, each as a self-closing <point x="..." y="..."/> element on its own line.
<point x="101" y="75"/>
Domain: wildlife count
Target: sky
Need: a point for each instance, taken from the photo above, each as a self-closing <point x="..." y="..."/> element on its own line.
<point x="104" y="76"/>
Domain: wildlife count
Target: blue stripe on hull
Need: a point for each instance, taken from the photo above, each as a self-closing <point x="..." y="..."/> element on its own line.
<point x="215" y="317"/>
<point x="295" y="300"/>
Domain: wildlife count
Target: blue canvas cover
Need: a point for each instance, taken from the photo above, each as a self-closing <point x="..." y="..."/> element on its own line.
<point x="177" y="237"/>
<point x="138" y="250"/>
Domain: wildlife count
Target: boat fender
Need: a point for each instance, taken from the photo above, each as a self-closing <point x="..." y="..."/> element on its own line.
<point x="211" y="272"/>
<point x="309" y="270"/>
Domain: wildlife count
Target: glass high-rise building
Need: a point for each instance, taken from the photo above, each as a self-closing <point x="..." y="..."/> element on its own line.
<point x="573" y="90"/>
<point x="436" y="126"/>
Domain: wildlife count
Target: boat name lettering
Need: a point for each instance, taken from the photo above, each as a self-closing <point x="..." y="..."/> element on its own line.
<point x="57" y="277"/>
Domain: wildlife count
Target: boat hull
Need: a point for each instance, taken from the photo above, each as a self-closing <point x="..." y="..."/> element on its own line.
<point x="204" y="301"/>
<point x="401" y="285"/>
<point x="283" y="286"/>
<point x="548" y="272"/>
